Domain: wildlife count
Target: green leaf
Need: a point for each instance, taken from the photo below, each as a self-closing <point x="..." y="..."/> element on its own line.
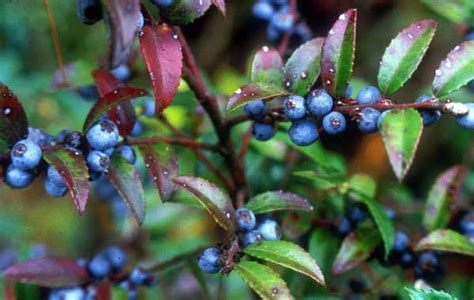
<point x="254" y="91"/>
<point x="277" y="200"/>
<point x="288" y="255"/>
<point x="322" y="181"/>
<point x="404" y="54"/>
<point x="448" y="241"/>
<point x="338" y="51"/>
<point x="182" y="12"/>
<point x="303" y="67"/>
<point x="267" y="67"/>
<point x="356" y="247"/>
<point x="125" y="178"/>
<point x="455" y="71"/>
<point x="362" y="185"/>
<point x="213" y="199"/>
<point x="263" y="280"/>
<point x="401" y="132"/>
<point x="13" y="121"/>
<point x="322" y="247"/>
<point x="441" y="197"/>
<point x="457" y="11"/>
<point x="428" y="294"/>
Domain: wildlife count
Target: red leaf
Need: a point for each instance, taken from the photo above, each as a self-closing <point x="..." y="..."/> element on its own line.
<point x="164" y="59"/>
<point x="220" y="4"/>
<point x="13" y="121"/>
<point x="51" y="272"/>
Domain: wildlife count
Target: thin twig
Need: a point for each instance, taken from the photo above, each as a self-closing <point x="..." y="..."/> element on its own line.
<point x="173" y="261"/>
<point x="182" y="141"/>
<point x="283" y="46"/>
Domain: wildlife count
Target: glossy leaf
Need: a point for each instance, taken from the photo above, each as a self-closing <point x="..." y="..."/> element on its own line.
<point x="163" y="56"/>
<point x="322" y="247"/>
<point x="161" y="162"/>
<point x="441" y="196"/>
<point x="267" y="67"/>
<point x="401" y="132"/>
<point x="220" y="4"/>
<point x="337" y="57"/>
<point x="356" y="247"/>
<point x="448" y="241"/>
<point x="13" y="121"/>
<point x="125" y="178"/>
<point x="254" y="91"/>
<point x="456" y="70"/>
<point x="454" y="10"/>
<point x="48" y="272"/>
<point x="72" y="166"/>
<point x="288" y="255"/>
<point x="303" y="67"/>
<point x="182" y="12"/>
<point x="428" y="294"/>
<point x="277" y="200"/>
<point x="263" y="280"/>
<point x="404" y="54"/>
<point x="212" y="198"/>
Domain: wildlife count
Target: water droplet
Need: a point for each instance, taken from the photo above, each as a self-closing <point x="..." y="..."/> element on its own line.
<point x="165" y="172"/>
<point x="447" y="64"/>
<point x="141" y="33"/>
<point x="175" y="36"/>
<point x="287" y="83"/>
<point x="152" y="76"/>
<point x="457" y="48"/>
<point x="265" y="49"/>
<point x="328" y="82"/>
<point x="342" y="17"/>
<point x="331" y="70"/>
<point x="227" y="215"/>
<point x="115" y="92"/>
<point x="147" y="165"/>
<point x="331" y="32"/>
<point x="418" y="27"/>
<point x="410" y="35"/>
<point x="438" y="72"/>
<point x="304" y="75"/>
<point x="238" y="91"/>
<point x="7" y="111"/>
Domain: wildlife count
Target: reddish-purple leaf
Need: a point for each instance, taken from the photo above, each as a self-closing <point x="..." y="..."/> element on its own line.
<point x="53" y="272"/>
<point x="72" y="167"/>
<point x="162" y="164"/>
<point x="13" y="121"/>
<point x="164" y="59"/>
<point x="337" y="56"/>
<point x="267" y="67"/>
<point x="254" y="91"/>
<point x="220" y="4"/>
<point x="110" y="100"/>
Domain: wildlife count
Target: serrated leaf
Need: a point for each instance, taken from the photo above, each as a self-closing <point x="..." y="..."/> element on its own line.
<point x="288" y="255"/>
<point x="161" y="162"/>
<point x="50" y="272"/>
<point x="337" y="57"/>
<point x="356" y="247"/>
<point x="254" y="91"/>
<point x="455" y="71"/>
<point x="212" y="198"/>
<point x="428" y="294"/>
<point x="303" y="67"/>
<point x="125" y="178"/>
<point x="404" y="54"/>
<point x="263" y="280"/>
<point x="220" y="4"/>
<point x="446" y="240"/>
<point x="182" y="12"/>
<point x="441" y="196"/>
<point x="277" y="200"/>
<point x="72" y="166"/>
<point x="322" y="247"/>
<point x="267" y="67"/>
<point x="13" y="121"/>
<point x="401" y="132"/>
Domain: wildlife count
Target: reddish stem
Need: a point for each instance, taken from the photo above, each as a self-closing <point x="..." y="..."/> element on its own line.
<point x="182" y="141"/>
<point x="286" y="36"/>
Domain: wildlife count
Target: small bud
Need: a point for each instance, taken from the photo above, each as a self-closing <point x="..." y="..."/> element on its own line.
<point x="455" y="108"/>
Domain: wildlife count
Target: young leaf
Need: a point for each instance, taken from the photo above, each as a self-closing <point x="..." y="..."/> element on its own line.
<point x="125" y="178"/>
<point x="214" y="200"/>
<point x="363" y="186"/>
<point x="441" y="197"/>
<point x="50" y="272"/>
<point x="164" y="60"/>
<point x="404" y="54"/>
<point x="13" y="121"/>
<point x="267" y="67"/>
<point x="182" y="12"/>
<point x="162" y="164"/>
<point x="448" y="241"/>
<point x="303" y="67"/>
<point x="254" y="91"/>
<point x="455" y="71"/>
<point x="322" y="247"/>
<point x="337" y="56"/>
<point x="356" y="247"/>
<point x="72" y="167"/>
<point x="428" y="294"/>
<point x="220" y="4"/>
<point x="288" y="255"/>
<point x="110" y="100"/>
<point x="277" y="200"/>
<point x="401" y="132"/>
<point x="263" y="280"/>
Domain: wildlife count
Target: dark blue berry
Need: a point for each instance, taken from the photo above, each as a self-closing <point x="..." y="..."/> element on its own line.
<point x="469" y="36"/>
<point x="263" y="131"/>
<point x="344" y="226"/>
<point x="256" y="109"/>
<point x="401" y="241"/>
<point x="303" y="132"/>
<point x="246" y="220"/>
<point x="467" y="120"/>
<point x="162" y="2"/>
<point x="407" y="259"/>
<point x="26" y="155"/>
<point x="67" y="294"/>
<point x="39" y="137"/>
<point x="348" y="91"/>
<point x="356" y="286"/>
<point x="116" y="257"/>
<point x="357" y="213"/>
<point x="368" y="120"/>
<point x="69" y="138"/>
<point x="273" y="34"/>
<point x="381" y="119"/>
<point x="55" y="178"/>
<point x="282" y="21"/>
<point x="88" y="92"/>
<point x="294" y="107"/>
<point x="319" y="103"/>
<point x="54" y="190"/>
<point x="303" y="31"/>
<point x="429" y="117"/>
<point x="251" y="237"/>
<point x="149" y="107"/>
<point x="428" y="267"/>
<point x="269" y="230"/>
<point x="137" y="129"/>
<point x="103" y="135"/>
<point x="17" y="178"/>
<point x="137" y="277"/>
<point x="263" y="10"/>
<point x="128" y="153"/>
<point x="368" y="95"/>
<point x="89" y="11"/>
<point x="467" y="223"/>
<point x="99" y="267"/>
<point x="121" y="72"/>
<point x="334" y="123"/>
<point x="98" y="161"/>
<point x="210" y="260"/>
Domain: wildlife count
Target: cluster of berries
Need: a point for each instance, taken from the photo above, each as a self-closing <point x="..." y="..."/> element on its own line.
<point x="212" y="260"/>
<point x="281" y="20"/>
<point x="356" y="213"/>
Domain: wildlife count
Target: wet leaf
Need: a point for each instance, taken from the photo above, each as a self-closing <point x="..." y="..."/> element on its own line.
<point x="428" y="294"/>
<point x="182" y="12"/>
<point x="254" y="91"/>
<point x="13" y="121"/>
<point x="448" y="241"/>
<point x="277" y="200"/>
<point x="453" y="10"/>
<point x="322" y="247"/>
<point x="267" y="67"/>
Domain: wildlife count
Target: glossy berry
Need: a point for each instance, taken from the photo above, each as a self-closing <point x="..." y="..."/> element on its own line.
<point x="39" y="137"/>
<point x="137" y="129"/>
<point x="407" y="259"/>
<point x="116" y="257"/>
<point x="401" y="241"/>
<point x="269" y="230"/>
<point x="368" y="95"/>
<point x="467" y="224"/>
<point x="89" y="11"/>
<point x="344" y="226"/>
<point x="319" y="103"/>
<point x="263" y="10"/>
<point x="149" y="107"/>
<point x="334" y="123"/>
<point x="256" y="109"/>
<point x="137" y="277"/>
<point x="246" y="220"/>
<point x="263" y="131"/>
<point x="469" y="36"/>
<point x="69" y="138"/>
<point x="67" y="294"/>
<point x="429" y="117"/>
<point x="98" y="161"/>
<point x="128" y="153"/>
<point x="348" y="91"/>
<point x="467" y="120"/>
<point x="54" y="190"/>
<point x="303" y="132"/>
<point x="282" y="21"/>
<point x="357" y="213"/>
<point x="26" y="155"/>
<point x="273" y="34"/>
<point x="163" y="2"/>
<point x="53" y="175"/>
<point x="251" y="237"/>
<point x="88" y="92"/>
<point x="294" y="107"/>
<point x="102" y="135"/>
<point x="368" y="120"/>
<point x="99" y="267"/>
<point x="17" y="178"/>
<point x="121" y="72"/>
<point x="303" y="31"/>
<point x="428" y="267"/>
<point x="381" y="119"/>
<point x="210" y="260"/>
